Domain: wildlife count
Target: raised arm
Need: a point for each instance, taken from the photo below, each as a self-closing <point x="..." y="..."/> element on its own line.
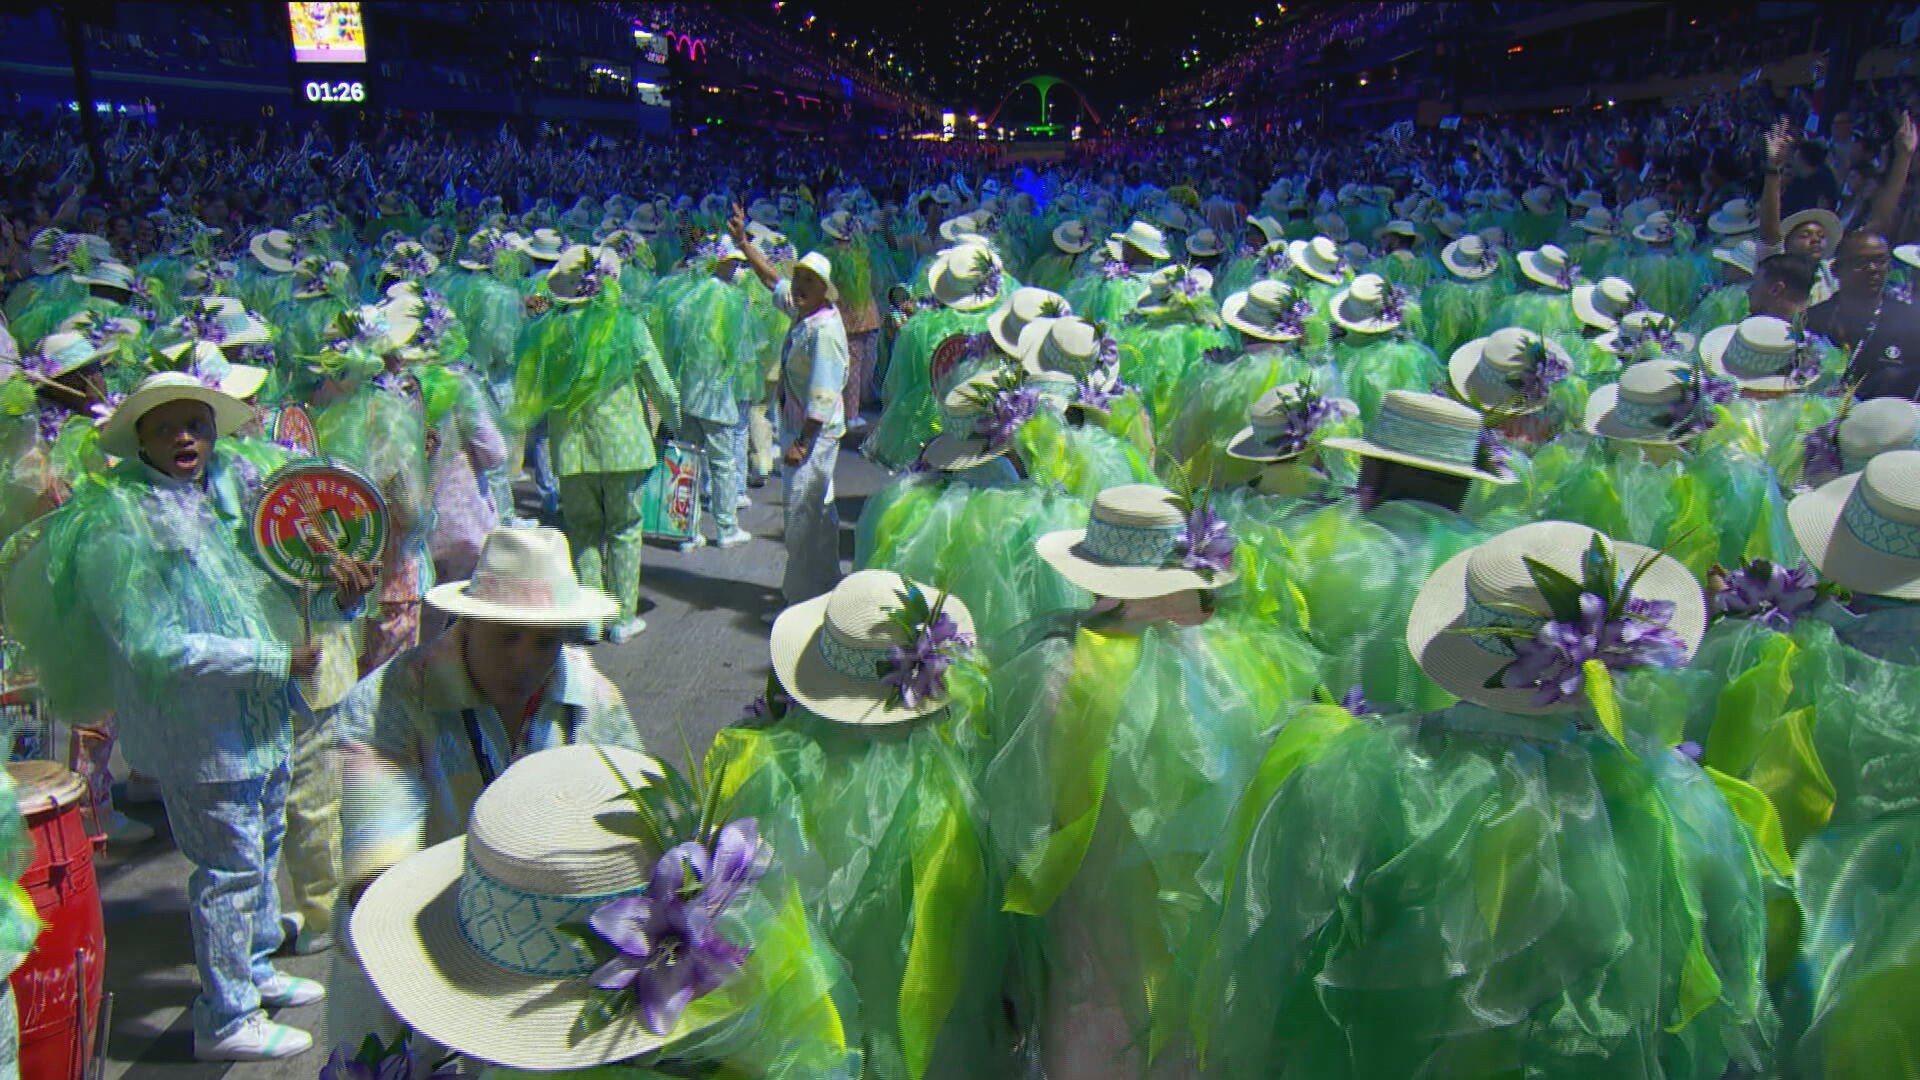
<point x="737" y="228"/>
<point x="1888" y="200"/>
<point x="1779" y="143"/>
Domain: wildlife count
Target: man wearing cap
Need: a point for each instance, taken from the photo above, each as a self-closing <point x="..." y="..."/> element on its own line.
<point x="813" y="377"/>
<point x="149" y="571"/>
<point x="426" y="732"/>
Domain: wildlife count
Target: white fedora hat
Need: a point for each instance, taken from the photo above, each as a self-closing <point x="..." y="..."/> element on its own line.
<point x="67" y="351"/>
<point x="1863" y="531"/>
<point x="119" y="433"/>
<point x="1489" y="586"/>
<point x="1069" y="345"/>
<point x="1906" y="253"/>
<point x="1874" y="427"/>
<point x="1828" y="221"/>
<point x="1428" y="432"/>
<point x="1024" y="307"/>
<point x="1128" y="551"/>
<point x="1493" y="370"/>
<point x="1736" y="217"/>
<point x="1270" y="227"/>
<point x="1647" y="405"/>
<point x="581" y="273"/>
<point x="274" y="249"/>
<point x="1319" y="259"/>
<point x="821" y="267"/>
<point x="1657" y="228"/>
<point x="481" y="249"/>
<point x="830" y="653"/>
<point x="966" y="277"/>
<point x="411" y="260"/>
<point x="470" y="940"/>
<point x="1371" y="305"/>
<point x="1549" y="266"/>
<point x="210" y="365"/>
<point x="1646" y="335"/>
<point x="1141" y="237"/>
<point x="1450" y="224"/>
<point x="1268" y="309"/>
<point x="838" y="225"/>
<point x="1205" y="244"/>
<point x="1601" y="304"/>
<point x="1758" y="352"/>
<point x="1072" y="236"/>
<point x="1589" y="199"/>
<point x="1744" y="255"/>
<point x="1281" y="424"/>
<point x="958" y="226"/>
<point x="1598" y="221"/>
<point x="544" y="245"/>
<point x="1470" y="258"/>
<point x="525" y="578"/>
<point x="1540" y="199"/>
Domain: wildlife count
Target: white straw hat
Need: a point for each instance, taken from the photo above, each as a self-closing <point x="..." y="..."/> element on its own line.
<point x="1470" y="257"/>
<point x="544" y="245"/>
<point x="1597" y="221"/>
<point x="1492" y="369"/>
<point x="1366" y="306"/>
<point x="1318" y="258"/>
<point x="1127" y="550"/>
<point x="956" y="228"/>
<point x="1205" y="244"/>
<point x="1757" y="352"/>
<point x="1658" y="228"/>
<point x="1428" y="432"/>
<point x="1828" y="221"/>
<point x="1540" y="199"/>
<point x="469" y="941"/>
<point x="1271" y="229"/>
<point x="1069" y="345"/>
<point x="1072" y="236"/>
<point x="524" y="578"/>
<point x="1589" y="199"/>
<point x="1268" y="428"/>
<point x="240" y="381"/>
<point x="965" y="277"/>
<point x="1024" y="307"/>
<point x="821" y="267"/>
<point x="567" y="282"/>
<point x="1874" y="427"/>
<point x="1863" y="531"/>
<point x="1646" y="335"/>
<point x="1736" y="217"/>
<point x="119" y="434"/>
<point x="1643" y="406"/>
<point x="274" y="249"/>
<point x="1268" y="309"/>
<point x="1141" y="237"/>
<point x="1601" y="304"/>
<point x="1549" y="266"/>
<point x="1744" y="255"/>
<point x="67" y="351"/>
<point x="838" y="225"/>
<point x="1906" y="253"/>
<point x="1489" y="585"/>
<point x="830" y="653"/>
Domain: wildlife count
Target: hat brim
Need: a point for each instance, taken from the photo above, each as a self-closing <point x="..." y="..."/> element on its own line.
<point x="1530" y="267"/>
<point x="1060" y="241"/>
<point x="1375" y="325"/>
<point x="119" y="435"/>
<point x="1723" y="226"/>
<point x="1466" y="360"/>
<point x="1461" y="667"/>
<point x="1296" y="254"/>
<point x="591" y="609"/>
<point x="1603" y="419"/>
<point x="947" y="453"/>
<point x="1713" y="351"/>
<point x="1830" y="225"/>
<point x="1230" y="314"/>
<point x="1061" y="551"/>
<point x="257" y="246"/>
<point x="1588" y="314"/>
<point x="946" y="287"/>
<point x="805" y="676"/>
<point x="1596" y="230"/>
<point x="1369" y="448"/>
<point x="1839" y="555"/>
<point x="406" y="934"/>
<point x="1244" y="446"/>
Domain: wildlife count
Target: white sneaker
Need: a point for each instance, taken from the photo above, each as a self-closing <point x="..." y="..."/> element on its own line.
<point x="311" y="944"/>
<point x="733" y="538"/>
<point x="125" y="831"/>
<point x="627" y="631"/>
<point x="285" y="991"/>
<point x="744" y="503"/>
<point x="699" y="541"/>
<point x="256" y="1039"/>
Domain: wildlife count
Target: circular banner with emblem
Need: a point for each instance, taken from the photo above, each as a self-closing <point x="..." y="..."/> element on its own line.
<point x="293" y="428"/>
<point x="947" y="356"/>
<point x="309" y="513"/>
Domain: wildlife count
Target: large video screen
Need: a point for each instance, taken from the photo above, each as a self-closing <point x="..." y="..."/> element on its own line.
<point x="327" y="33"/>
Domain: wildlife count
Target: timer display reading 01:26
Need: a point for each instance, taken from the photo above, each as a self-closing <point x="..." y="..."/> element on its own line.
<point x="328" y="93"/>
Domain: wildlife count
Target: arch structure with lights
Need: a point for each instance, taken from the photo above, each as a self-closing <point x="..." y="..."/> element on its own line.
<point x="1050" y="124"/>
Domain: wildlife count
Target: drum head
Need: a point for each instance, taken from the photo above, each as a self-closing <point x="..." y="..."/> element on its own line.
<point x="39" y="785"/>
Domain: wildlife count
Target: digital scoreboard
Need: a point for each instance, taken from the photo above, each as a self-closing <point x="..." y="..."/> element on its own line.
<point x="329" y="53"/>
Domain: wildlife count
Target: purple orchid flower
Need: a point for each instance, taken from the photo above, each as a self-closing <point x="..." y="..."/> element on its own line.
<point x="1550" y="663"/>
<point x="1188" y="285"/>
<point x="100" y="410"/>
<point x="1101" y="394"/>
<point x="204" y="324"/>
<point x="1008" y="410"/>
<point x="1823" y="451"/>
<point x="1493" y="454"/>
<point x="1806" y="363"/>
<point x="1107" y="354"/>
<point x="1546" y="370"/>
<point x="49" y="421"/>
<point x="1691" y="750"/>
<point x="1355" y="701"/>
<point x="1764" y="591"/>
<point x="1393" y="305"/>
<point x="919" y="670"/>
<point x="669" y="948"/>
<point x="1115" y="270"/>
<point x="405" y="1063"/>
<point x="1206" y="545"/>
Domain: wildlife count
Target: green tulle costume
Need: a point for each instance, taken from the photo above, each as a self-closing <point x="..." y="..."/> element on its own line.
<point x="1471" y="895"/>
<point x="911" y="414"/>
<point x="1859" y="892"/>
<point x="1095" y="296"/>
<point x="492" y="312"/>
<point x="1347" y="580"/>
<point x="1669" y="281"/>
<point x="1458" y="310"/>
<point x="1722" y="306"/>
<point x="1086" y="457"/>
<point x="1370" y="365"/>
<point x="975" y="542"/>
<point x="576" y="354"/>
<point x="1406" y="269"/>
<point x="1542" y="311"/>
<point x="1210" y="408"/>
<point x="38" y="305"/>
<point x="1054" y="269"/>
<point x="885" y="833"/>
<point x="706" y="343"/>
<point x="1155" y="352"/>
<point x="1119" y="757"/>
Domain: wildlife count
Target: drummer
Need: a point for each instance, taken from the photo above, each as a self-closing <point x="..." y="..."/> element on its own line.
<point x="201" y="666"/>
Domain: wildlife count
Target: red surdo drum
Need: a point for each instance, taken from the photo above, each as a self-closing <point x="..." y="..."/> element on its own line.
<point x="57" y="1016"/>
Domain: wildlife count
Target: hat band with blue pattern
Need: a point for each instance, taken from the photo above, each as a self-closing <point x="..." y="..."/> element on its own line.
<point x="1900" y="539"/>
<point x="1130" y="545"/>
<point x="1415" y="437"/>
<point x="1752" y="363"/>
<point x="1656" y="417"/>
<point x="853" y="661"/>
<point x="520" y="931"/>
<point x="1479" y="616"/>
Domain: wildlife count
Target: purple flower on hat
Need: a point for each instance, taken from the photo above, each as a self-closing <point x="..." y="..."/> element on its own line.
<point x="1691" y="750"/>
<point x="49" y="421"/>
<point x="1008" y="409"/>
<point x="1188" y="284"/>
<point x="1115" y="269"/>
<point x="1206" y="544"/>
<point x="204" y="323"/>
<point x="1355" y="701"/>
<point x="1393" y="304"/>
<point x="375" y="1062"/>
<point x="1764" y="591"/>
<point x="1546" y="368"/>
<point x="1551" y="662"/>
<point x="100" y="410"/>
<point x="1494" y="454"/>
<point x="1823" y="451"/>
<point x="669" y="949"/>
<point x="918" y="671"/>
